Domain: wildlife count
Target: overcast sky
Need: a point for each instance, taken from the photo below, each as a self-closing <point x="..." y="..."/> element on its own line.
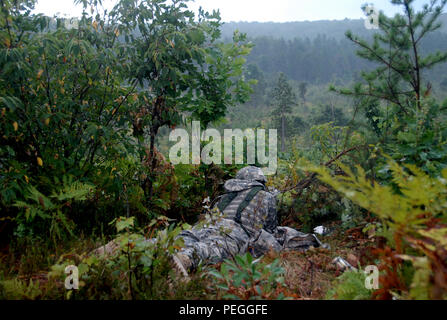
<point x="258" y="10"/>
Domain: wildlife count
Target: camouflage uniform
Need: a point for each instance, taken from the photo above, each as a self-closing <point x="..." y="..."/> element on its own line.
<point x="251" y="227"/>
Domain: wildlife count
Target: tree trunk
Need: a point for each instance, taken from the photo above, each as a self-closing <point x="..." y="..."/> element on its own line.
<point x="153" y="164"/>
<point x="283" y="133"/>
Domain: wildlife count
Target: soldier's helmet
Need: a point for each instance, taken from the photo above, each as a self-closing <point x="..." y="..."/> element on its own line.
<point x="251" y="173"/>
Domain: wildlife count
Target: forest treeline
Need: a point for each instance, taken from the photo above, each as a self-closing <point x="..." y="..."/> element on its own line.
<point x="325" y="59"/>
<point x="305" y="29"/>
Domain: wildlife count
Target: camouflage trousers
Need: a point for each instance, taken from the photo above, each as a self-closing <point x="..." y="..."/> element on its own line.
<point x="227" y="238"/>
<point x="214" y="243"/>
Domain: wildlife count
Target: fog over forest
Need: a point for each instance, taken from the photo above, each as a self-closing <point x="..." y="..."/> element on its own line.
<point x="318" y="51"/>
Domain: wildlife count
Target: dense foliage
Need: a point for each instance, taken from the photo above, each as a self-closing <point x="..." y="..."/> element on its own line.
<point x="83" y="102"/>
<point x="86" y="106"/>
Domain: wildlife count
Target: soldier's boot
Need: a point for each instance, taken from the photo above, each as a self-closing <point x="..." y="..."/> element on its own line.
<point x="182" y="263"/>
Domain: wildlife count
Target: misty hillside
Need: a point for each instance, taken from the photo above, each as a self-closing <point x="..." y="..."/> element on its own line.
<point x="302" y="29"/>
<point x="318" y="52"/>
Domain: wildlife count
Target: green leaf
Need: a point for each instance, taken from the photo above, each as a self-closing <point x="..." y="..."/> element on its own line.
<point x="124" y="223"/>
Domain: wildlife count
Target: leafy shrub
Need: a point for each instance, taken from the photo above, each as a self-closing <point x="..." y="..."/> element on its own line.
<point x="49" y="209"/>
<point x="63" y="107"/>
<point x="16" y="289"/>
<point x="414" y="224"/>
<point x="245" y="278"/>
<point x="311" y="203"/>
<point x="139" y="268"/>
<point x="419" y="139"/>
<point x="350" y="286"/>
<point x="75" y="100"/>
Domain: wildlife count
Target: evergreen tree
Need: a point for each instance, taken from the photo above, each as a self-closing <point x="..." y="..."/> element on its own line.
<point x="303" y="91"/>
<point x="397" y="51"/>
<point x="255" y="73"/>
<point x="284" y="98"/>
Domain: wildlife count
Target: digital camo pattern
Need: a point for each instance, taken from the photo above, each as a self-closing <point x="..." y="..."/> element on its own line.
<point x="256" y="233"/>
<point x="251" y="174"/>
<point x="260" y="212"/>
<point x="214" y="243"/>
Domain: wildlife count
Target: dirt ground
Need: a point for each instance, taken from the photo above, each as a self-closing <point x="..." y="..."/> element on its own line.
<point x="312" y="273"/>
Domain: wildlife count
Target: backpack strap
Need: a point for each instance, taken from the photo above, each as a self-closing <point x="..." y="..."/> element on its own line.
<point x="253" y="192"/>
<point x="226" y="199"/>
